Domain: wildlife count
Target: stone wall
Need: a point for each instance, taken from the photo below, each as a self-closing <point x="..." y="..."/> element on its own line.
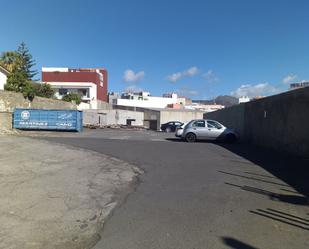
<point x="5" y="121"/>
<point x="11" y="100"/>
<point x="279" y="122"/>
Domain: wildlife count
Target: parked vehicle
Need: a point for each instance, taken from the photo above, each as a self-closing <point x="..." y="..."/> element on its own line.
<point x="170" y="126"/>
<point x="203" y="129"/>
<point x="179" y="130"/>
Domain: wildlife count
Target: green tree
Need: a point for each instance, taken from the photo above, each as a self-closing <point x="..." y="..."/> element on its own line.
<point x="29" y="91"/>
<point x="73" y="97"/>
<point x="19" y="63"/>
<point x="9" y="60"/>
<point x="19" y="60"/>
<point x="16" y="81"/>
<point x="25" y="61"/>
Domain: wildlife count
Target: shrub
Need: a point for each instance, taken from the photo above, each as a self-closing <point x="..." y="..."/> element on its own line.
<point x="43" y="90"/>
<point x="73" y="97"/>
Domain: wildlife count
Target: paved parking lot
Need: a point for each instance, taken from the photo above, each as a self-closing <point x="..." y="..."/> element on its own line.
<point x="107" y="133"/>
<point x="202" y="195"/>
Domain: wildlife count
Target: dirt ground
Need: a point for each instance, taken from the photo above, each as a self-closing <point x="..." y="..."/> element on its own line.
<point x="56" y="196"/>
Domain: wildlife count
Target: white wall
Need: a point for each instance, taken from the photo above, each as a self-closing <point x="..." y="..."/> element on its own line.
<point x="3" y="79"/>
<point x="83" y="106"/>
<point x="182" y="116"/>
<point x="69" y="85"/>
<point x="55" y="69"/>
<point x="152" y="102"/>
<point x="112" y="117"/>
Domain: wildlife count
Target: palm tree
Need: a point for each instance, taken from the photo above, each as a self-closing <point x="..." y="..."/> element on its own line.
<point x="10" y="60"/>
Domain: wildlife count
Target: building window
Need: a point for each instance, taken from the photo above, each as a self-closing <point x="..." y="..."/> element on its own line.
<point x="83" y="92"/>
<point x="63" y="91"/>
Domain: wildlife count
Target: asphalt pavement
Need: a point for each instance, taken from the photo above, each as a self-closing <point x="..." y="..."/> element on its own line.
<point x="203" y="195"/>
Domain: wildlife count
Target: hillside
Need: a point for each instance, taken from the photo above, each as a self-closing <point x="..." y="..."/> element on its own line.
<point x="220" y="100"/>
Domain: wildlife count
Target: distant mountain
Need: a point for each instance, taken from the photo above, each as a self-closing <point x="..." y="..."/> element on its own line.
<point x="220" y="100"/>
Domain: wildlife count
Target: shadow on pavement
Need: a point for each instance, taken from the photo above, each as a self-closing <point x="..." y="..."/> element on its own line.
<point x="236" y="244"/>
<point x="290" y="169"/>
<point x="292" y="199"/>
<point x="255" y="174"/>
<point x="282" y="217"/>
<point x="174" y="139"/>
<point x="254" y="178"/>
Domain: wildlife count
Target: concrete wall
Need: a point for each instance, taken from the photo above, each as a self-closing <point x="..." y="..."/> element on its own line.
<point x="149" y="118"/>
<point x="232" y="117"/>
<point x="112" y="117"/>
<point x="181" y="115"/>
<point x="165" y="115"/>
<point x="104" y="105"/>
<point x="11" y="100"/>
<point x="279" y="122"/>
<point x="152" y="119"/>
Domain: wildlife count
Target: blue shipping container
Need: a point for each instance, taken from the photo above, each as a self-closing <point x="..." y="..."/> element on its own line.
<point x="39" y="119"/>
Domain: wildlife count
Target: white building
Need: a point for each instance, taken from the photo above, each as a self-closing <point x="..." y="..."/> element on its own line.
<point x="145" y="100"/>
<point x="89" y="83"/>
<point x="243" y="99"/>
<point x="204" y="108"/>
<point x="3" y="77"/>
<point x="87" y="90"/>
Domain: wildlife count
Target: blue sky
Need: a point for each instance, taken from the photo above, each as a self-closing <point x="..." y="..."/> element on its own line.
<point x="200" y="49"/>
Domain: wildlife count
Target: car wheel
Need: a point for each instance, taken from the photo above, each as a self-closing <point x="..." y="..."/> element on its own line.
<point x="230" y="138"/>
<point x="190" y="137"/>
<point x="168" y="129"/>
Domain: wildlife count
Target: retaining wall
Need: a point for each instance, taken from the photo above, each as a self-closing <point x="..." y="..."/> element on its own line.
<point x="11" y="100"/>
<point x="279" y="122"/>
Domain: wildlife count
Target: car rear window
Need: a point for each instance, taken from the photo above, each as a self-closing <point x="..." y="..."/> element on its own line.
<point x="213" y="124"/>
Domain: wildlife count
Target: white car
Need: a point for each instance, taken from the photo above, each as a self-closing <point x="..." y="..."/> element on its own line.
<point x="204" y="129"/>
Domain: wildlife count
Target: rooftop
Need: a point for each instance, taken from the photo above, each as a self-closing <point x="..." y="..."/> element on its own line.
<point x="66" y="69"/>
